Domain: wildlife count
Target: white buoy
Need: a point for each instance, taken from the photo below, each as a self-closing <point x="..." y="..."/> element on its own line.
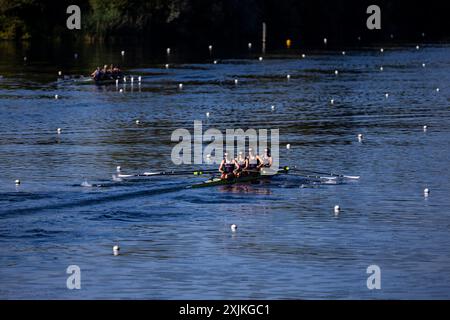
<point x="215" y="61"/>
<point x="56" y="97"/>
<point x="116" y="250"/>
<point x="139" y="79"/>
<point x="386" y="95"/>
<point x="166" y="66"/>
<point x="437" y="90"/>
<point x="208" y="156"/>
<point x="235" y="81"/>
<point x="273" y="108"/>
<point x="360" y="137"/>
<point x="337" y="209"/>
<point x="392" y="36"/>
<point x="325" y="40"/>
<point x="260" y="58"/>
<point x="381" y="68"/>
<point x="75" y="55"/>
<point x="332" y="101"/>
<point x="58" y="131"/>
<point x="180" y="86"/>
<point x="423" y="34"/>
<point x="249" y="45"/>
<point x="207" y="114"/>
<point x="138" y="122"/>
<point x="117" y="82"/>
<point x="359" y="38"/>
<point x="25" y="58"/>
<point x="343" y="53"/>
<point x="425" y="128"/>
<point x="336" y="72"/>
<point x="303" y="55"/>
<point x="132" y="79"/>
<point x="168" y="50"/>
<point x="17" y="182"/>
<point x="122" y="53"/>
<point x="118" y="169"/>
<point x="288" y="146"/>
<point x="59" y="73"/>
<point x="381" y="50"/>
<point x="426" y="192"/>
<point x="288" y="76"/>
<point x="417" y="47"/>
<point x="233" y="227"/>
<point x="423" y="65"/>
<point x="121" y="90"/>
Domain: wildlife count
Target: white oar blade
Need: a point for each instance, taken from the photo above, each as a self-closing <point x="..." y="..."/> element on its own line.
<point x="352" y="177"/>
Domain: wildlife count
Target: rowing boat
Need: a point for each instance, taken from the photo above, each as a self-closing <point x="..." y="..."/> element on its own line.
<point x="219" y="182"/>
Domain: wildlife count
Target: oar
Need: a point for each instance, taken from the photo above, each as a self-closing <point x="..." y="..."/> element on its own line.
<point x="327" y="173"/>
<point x="167" y="173"/>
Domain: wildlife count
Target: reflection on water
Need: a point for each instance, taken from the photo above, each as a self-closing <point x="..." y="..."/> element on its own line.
<point x="176" y="241"/>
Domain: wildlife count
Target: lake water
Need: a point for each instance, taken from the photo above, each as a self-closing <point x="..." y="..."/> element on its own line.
<point x="176" y="243"/>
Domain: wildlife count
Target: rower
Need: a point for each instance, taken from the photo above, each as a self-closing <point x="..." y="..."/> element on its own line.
<point x="96" y="74"/>
<point x="227" y="167"/>
<point x="254" y="162"/>
<point x="266" y="158"/>
<point x="241" y="161"/>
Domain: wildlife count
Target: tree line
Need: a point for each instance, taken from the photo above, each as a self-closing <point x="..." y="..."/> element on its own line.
<point x="228" y="22"/>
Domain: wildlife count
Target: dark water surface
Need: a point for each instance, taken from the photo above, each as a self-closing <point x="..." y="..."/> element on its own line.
<point x="176" y="242"/>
